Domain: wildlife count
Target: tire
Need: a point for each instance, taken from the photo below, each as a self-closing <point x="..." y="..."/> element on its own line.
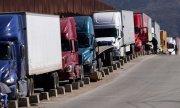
<point x="30" y="84"/>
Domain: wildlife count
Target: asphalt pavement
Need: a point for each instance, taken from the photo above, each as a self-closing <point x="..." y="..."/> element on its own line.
<point x="151" y="83"/>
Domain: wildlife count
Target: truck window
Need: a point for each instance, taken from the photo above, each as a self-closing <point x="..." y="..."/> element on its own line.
<point x="5" y="52"/>
<point x="106" y="32"/>
<point x="170" y="46"/>
<point x="66" y="45"/>
<point x="83" y="40"/>
<point x="136" y="29"/>
<point x="76" y="46"/>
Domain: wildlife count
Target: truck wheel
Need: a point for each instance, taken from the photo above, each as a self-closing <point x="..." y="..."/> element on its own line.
<point x="30" y="83"/>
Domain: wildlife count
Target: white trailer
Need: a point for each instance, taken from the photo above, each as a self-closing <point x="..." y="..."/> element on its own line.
<point x="128" y="30"/>
<point x="43" y="43"/>
<point x="157" y="33"/>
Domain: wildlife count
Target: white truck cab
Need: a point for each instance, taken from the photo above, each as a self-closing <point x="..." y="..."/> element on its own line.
<point x="171" y="45"/>
<point x="108" y="30"/>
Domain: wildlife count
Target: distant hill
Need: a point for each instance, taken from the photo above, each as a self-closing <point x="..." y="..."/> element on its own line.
<point x="165" y="12"/>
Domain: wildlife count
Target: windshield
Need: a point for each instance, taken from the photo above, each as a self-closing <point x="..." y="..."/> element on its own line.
<point x="5" y="52"/>
<point x="83" y="40"/>
<point x="66" y="45"/>
<point x="107" y="32"/>
<point x="170" y="46"/>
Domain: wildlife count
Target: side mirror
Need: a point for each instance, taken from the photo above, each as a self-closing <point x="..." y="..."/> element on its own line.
<point x="76" y="46"/>
<point x="22" y="51"/>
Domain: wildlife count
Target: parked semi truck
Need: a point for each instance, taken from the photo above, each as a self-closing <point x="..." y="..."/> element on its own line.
<point x="143" y="30"/>
<point x="163" y="43"/>
<point x="30" y="52"/>
<point x="71" y="69"/>
<point x="87" y="44"/>
<point x="171" y="45"/>
<point x="108" y="33"/>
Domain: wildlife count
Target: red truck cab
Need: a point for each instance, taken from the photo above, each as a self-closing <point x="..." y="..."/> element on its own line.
<point x="141" y="30"/>
<point x="71" y="69"/>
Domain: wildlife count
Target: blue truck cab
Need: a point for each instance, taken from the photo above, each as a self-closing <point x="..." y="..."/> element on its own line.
<point x="11" y="43"/>
<point x="86" y="41"/>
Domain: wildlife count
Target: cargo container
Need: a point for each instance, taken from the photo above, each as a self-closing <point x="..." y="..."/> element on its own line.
<point x="163" y="43"/>
<point x="128" y="31"/>
<point x="30" y="52"/>
<point x="71" y="69"/>
<point x="156" y="37"/>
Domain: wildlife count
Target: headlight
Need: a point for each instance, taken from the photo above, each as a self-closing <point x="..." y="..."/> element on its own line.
<point x="68" y="68"/>
<point x="87" y="61"/>
<point x="10" y="80"/>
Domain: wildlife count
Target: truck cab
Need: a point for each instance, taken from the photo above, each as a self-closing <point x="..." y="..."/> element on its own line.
<point x="108" y="31"/>
<point x="86" y="41"/>
<point x="11" y="51"/>
<point x="171" y="46"/>
<point x="71" y="69"/>
<point x="30" y="52"/>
